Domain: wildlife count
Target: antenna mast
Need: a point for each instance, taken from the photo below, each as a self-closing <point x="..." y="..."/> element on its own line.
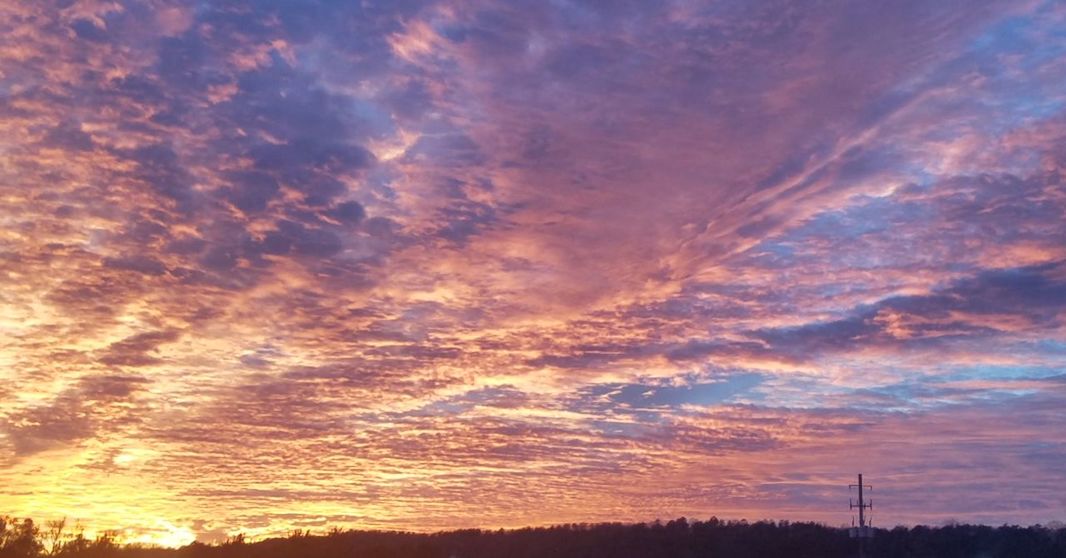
<point x="863" y="531"/>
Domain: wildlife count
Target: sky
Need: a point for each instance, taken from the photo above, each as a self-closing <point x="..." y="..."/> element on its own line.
<point x="272" y="265"/>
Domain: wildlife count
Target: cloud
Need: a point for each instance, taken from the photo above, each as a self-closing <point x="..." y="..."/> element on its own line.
<point x="970" y="309"/>
<point x="93" y="406"/>
<point x="586" y="261"/>
<point x="135" y="350"/>
<point x="146" y="265"/>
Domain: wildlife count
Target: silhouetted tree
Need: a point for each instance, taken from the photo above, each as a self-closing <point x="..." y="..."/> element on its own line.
<point x="19" y="539"/>
<point x="53" y="535"/>
<point x="679" y="538"/>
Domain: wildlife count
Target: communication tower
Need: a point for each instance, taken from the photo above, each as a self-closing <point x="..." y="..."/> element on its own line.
<point x="864" y="530"/>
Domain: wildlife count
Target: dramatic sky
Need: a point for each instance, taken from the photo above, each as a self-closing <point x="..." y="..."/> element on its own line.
<point x="271" y="264"/>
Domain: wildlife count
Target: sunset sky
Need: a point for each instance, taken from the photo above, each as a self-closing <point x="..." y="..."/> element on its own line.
<point x="268" y="264"/>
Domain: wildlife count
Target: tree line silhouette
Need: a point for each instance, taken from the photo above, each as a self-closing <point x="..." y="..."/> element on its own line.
<point x="678" y="538"/>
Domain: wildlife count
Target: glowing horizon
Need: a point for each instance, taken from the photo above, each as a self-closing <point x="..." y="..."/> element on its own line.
<point x="426" y="265"/>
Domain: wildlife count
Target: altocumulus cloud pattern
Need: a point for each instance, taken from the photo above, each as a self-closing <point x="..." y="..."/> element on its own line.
<point x="268" y="265"/>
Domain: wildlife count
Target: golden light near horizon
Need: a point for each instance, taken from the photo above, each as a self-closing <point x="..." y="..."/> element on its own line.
<point x="430" y="265"/>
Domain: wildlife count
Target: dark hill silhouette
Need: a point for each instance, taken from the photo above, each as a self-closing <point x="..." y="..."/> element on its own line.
<point x="674" y="539"/>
